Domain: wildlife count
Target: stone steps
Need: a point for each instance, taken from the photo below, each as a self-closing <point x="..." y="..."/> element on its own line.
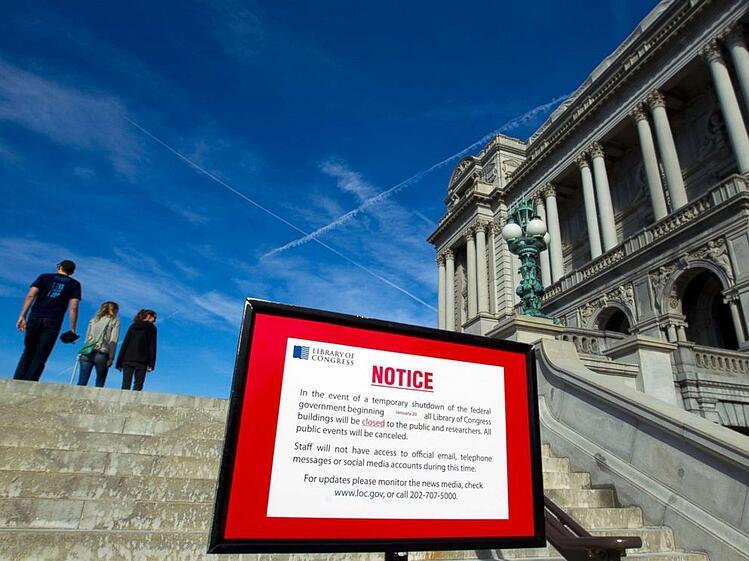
<point x="84" y="486"/>
<point x="98" y="474"/>
<point x="107" y="463"/>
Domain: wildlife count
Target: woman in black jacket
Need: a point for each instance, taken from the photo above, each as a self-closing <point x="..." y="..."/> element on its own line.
<point x="138" y="352"/>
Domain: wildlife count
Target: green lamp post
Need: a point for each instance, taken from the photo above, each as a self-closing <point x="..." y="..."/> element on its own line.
<point x="526" y="236"/>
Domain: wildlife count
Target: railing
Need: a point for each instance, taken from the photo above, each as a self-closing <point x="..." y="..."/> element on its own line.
<point x="592" y="342"/>
<point x="721" y="360"/>
<point x="575" y="543"/>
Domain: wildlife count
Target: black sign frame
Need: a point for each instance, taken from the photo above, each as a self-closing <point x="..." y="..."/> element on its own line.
<point x="220" y="545"/>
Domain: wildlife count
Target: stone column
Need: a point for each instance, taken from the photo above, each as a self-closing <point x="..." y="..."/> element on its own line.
<point x="471" y="273"/>
<point x="671" y="166"/>
<point x="492" y="265"/>
<point x="671" y="331"/>
<point x="516" y="277"/>
<point x="652" y="171"/>
<point x="555" y="249"/>
<point x="603" y="192"/>
<point x="441" y="291"/>
<point x="740" y="57"/>
<point x="681" y="332"/>
<point x="737" y="323"/>
<point x="729" y="105"/>
<point x="449" y="290"/>
<point x="481" y="269"/>
<point x="543" y="257"/>
<point x="589" y="199"/>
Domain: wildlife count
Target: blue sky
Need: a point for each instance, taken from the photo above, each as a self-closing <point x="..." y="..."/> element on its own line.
<point x="304" y="109"/>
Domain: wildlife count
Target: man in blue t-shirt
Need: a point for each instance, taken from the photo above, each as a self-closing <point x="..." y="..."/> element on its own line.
<point x="48" y="299"/>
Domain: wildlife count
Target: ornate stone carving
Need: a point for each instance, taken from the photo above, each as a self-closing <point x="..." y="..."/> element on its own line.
<point x="638" y="113"/>
<point x="468" y="234"/>
<point x="717" y="252"/>
<point x="624" y="294"/>
<point x="658" y="280"/>
<point x="449" y="255"/>
<point x="656" y="99"/>
<point x="548" y="190"/>
<point x="480" y="226"/>
<point x="733" y="35"/>
<point x="582" y="160"/>
<point x="711" y="51"/>
<point x="586" y="312"/>
<point x="596" y="150"/>
<point x="440" y="259"/>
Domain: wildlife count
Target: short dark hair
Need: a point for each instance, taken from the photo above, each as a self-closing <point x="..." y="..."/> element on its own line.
<point x="67" y="266"/>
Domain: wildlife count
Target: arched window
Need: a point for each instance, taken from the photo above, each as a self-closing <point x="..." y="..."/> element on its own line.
<point x="613" y="319"/>
<point x="708" y="317"/>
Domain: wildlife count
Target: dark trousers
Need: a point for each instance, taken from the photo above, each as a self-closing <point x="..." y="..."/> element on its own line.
<point x="87" y="364"/>
<point x="132" y="370"/>
<point x="40" y="337"/>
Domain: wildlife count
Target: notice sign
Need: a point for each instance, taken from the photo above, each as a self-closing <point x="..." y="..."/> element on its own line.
<point x="346" y="434"/>
<point x="365" y="433"/>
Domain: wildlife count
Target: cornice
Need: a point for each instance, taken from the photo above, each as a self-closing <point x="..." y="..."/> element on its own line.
<point x="453" y="214"/>
<point x="619" y="71"/>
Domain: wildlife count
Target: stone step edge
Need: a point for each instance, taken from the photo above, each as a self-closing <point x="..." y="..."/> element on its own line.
<point x="67" y="431"/>
<point x="54" y="389"/>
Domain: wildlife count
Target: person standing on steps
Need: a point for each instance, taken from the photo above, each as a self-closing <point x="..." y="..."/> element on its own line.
<point x="138" y="352"/>
<point x="101" y="344"/>
<point x="50" y="295"/>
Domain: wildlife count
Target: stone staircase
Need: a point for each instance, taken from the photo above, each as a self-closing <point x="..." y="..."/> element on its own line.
<point x="92" y="474"/>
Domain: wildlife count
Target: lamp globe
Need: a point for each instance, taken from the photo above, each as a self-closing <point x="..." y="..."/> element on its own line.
<point x="511" y="231"/>
<point x="535" y="227"/>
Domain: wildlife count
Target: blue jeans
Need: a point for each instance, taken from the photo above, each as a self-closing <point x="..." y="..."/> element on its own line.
<point x="87" y="364"/>
<point x="40" y="337"/>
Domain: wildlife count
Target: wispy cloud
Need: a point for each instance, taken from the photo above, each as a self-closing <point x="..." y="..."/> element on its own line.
<point x="348" y="180"/>
<point x="514" y="123"/>
<point x="200" y="169"/>
<point x="246" y="35"/>
<point x="133" y="280"/>
<point x="68" y="116"/>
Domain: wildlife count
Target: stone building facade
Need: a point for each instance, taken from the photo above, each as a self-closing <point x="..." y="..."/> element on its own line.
<point x="642" y="177"/>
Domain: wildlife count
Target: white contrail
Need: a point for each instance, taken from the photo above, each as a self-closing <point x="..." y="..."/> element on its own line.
<point x="514" y="123"/>
<point x="266" y="210"/>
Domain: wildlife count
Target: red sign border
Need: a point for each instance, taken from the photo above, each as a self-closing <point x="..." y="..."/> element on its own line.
<point x="218" y="543"/>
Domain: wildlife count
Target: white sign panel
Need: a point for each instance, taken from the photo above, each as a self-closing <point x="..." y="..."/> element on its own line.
<point x="365" y="433"/>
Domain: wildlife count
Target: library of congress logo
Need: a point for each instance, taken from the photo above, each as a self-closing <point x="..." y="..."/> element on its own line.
<point x="301" y="352"/>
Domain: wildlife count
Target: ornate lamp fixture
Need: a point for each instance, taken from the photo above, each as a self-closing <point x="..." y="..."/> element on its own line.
<point x="527" y="237"/>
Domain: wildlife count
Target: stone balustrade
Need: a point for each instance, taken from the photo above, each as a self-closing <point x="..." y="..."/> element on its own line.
<point x="591" y="341"/>
<point x="721" y="361"/>
<point x="687" y="216"/>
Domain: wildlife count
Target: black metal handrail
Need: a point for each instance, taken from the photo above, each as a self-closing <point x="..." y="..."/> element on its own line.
<point x="575" y="543"/>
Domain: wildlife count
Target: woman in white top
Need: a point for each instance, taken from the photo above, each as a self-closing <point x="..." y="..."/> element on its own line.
<point x="103" y="333"/>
